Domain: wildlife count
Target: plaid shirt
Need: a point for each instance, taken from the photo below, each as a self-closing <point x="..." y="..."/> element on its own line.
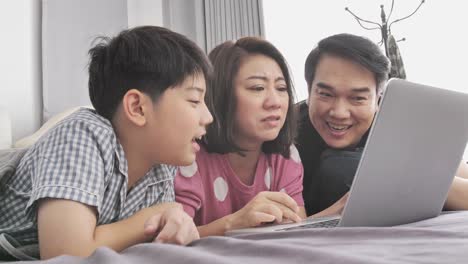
<point x="81" y="160"/>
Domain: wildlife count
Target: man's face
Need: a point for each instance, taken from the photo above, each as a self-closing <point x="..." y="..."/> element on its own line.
<point x="342" y="101"/>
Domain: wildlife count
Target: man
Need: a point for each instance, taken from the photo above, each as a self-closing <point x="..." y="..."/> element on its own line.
<point x="345" y="76"/>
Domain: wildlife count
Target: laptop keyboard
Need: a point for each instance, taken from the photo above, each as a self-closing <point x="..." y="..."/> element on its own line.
<point x="324" y="224"/>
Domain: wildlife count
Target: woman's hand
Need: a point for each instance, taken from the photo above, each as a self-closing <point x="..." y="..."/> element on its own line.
<point x="265" y="207"/>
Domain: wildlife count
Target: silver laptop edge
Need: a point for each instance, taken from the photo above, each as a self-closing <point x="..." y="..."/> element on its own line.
<point x="423" y="172"/>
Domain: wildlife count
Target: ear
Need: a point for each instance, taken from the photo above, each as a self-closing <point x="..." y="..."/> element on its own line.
<point x="134" y="106"/>
<point x="378" y="100"/>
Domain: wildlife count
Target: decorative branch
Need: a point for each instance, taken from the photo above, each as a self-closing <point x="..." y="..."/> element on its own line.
<point x="406" y="17"/>
<point x="385" y="27"/>
<point x="363" y="20"/>
<point x="391" y="10"/>
<point x="364" y="27"/>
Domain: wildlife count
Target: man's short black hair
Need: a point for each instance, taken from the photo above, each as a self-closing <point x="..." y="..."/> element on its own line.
<point x="148" y="58"/>
<point x="355" y="48"/>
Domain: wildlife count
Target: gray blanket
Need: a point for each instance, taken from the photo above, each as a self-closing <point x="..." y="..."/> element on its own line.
<point x="439" y="240"/>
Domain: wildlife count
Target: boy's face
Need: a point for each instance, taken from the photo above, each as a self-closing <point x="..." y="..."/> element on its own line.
<point x="179" y="117"/>
<point x="342" y="102"/>
<point x="262" y="101"/>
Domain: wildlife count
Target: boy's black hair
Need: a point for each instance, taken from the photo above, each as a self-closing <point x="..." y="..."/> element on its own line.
<point x="148" y="58"/>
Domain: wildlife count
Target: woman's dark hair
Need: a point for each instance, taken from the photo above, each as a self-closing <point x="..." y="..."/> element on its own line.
<point x="221" y="100"/>
<point x="148" y="58"/>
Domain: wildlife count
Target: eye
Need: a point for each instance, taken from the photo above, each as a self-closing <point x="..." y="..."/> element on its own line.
<point x="194" y="102"/>
<point x="282" y="89"/>
<point x="359" y="98"/>
<point x="325" y="94"/>
<point x="257" y="88"/>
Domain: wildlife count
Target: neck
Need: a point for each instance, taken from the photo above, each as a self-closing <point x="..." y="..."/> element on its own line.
<point x="244" y="166"/>
<point x="137" y="165"/>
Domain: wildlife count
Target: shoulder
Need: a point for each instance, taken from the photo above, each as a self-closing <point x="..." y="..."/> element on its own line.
<point x="278" y="161"/>
<point x="308" y="141"/>
<point x="306" y="132"/>
<point x="83" y="134"/>
<point x="303" y="114"/>
<point x="82" y="126"/>
<point x="210" y="161"/>
<point x="285" y="171"/>
<point x="86" y="120"/>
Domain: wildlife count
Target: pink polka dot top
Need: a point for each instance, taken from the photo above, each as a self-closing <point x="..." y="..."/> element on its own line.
<point x="209" y="189"/>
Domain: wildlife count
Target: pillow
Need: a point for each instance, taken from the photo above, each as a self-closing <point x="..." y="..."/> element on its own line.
<point x="5" y="129"/>
<point x="30" y="140"/>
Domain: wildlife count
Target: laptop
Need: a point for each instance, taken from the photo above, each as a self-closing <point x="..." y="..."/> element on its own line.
<point x="413" y="151"/>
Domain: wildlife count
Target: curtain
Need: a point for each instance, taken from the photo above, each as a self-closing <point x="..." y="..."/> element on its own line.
<point x="230" y="20"/>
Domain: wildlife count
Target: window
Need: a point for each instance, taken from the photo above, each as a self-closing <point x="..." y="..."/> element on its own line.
<point x="434" y="52"/>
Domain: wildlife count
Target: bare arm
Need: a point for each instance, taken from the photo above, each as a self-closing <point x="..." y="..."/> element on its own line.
<point x="335" y="209"/>
<point x="68" y="227"/>
<point x="302" y="212"/>
<point x="457" y="198"/>
<point x="462" y="171"/>
<point x="264" y="208"/>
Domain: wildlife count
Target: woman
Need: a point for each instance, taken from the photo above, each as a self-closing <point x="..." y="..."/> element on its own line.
<point x="248" y="171"/>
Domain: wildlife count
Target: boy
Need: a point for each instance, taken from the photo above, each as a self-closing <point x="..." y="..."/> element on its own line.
<point x="95" y="178"/>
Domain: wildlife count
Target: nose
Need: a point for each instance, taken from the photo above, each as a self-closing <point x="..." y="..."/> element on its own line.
<point x="339" y="110"/>
<point x="206" y="117"/>
<point x="272" y="100"/>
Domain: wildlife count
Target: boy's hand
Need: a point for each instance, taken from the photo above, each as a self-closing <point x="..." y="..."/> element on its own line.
<point x="172" y="226"/>
<point x="266" y="207"/>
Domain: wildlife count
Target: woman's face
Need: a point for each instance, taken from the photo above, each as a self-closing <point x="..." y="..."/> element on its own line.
<point x="262" y="101"/>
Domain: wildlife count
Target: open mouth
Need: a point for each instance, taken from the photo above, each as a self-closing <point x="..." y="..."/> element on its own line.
<point x="272" y="118"/>
<point x="337" y="127"/>
<point x="196" y="143"/>
<point x="197" y="138"/>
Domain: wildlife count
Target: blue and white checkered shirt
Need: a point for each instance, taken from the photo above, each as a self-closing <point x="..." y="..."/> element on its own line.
<point x="81" y="160"/>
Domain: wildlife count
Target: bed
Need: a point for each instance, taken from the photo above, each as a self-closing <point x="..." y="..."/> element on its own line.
<point x="443" y="239"/>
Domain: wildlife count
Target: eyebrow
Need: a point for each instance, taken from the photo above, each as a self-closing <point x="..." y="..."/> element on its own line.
<point x="195" y="88"/>
<point x="361" y="90"/>
<point x="263" y="78"/>
<point x="325" y="86"/>
<point x="354" y="90"/>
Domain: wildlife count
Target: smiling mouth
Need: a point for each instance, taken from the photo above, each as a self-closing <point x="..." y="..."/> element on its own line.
<point x="338" y="128"/>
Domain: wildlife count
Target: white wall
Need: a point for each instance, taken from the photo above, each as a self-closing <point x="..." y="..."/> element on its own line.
<point x="186" y="17"/>
<point x="69" y="30"/>
<point x="20" y="64"/>
<point x="434" y="52"/>
<point x="145" y="12"/>
<point x="20" y="53"/>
